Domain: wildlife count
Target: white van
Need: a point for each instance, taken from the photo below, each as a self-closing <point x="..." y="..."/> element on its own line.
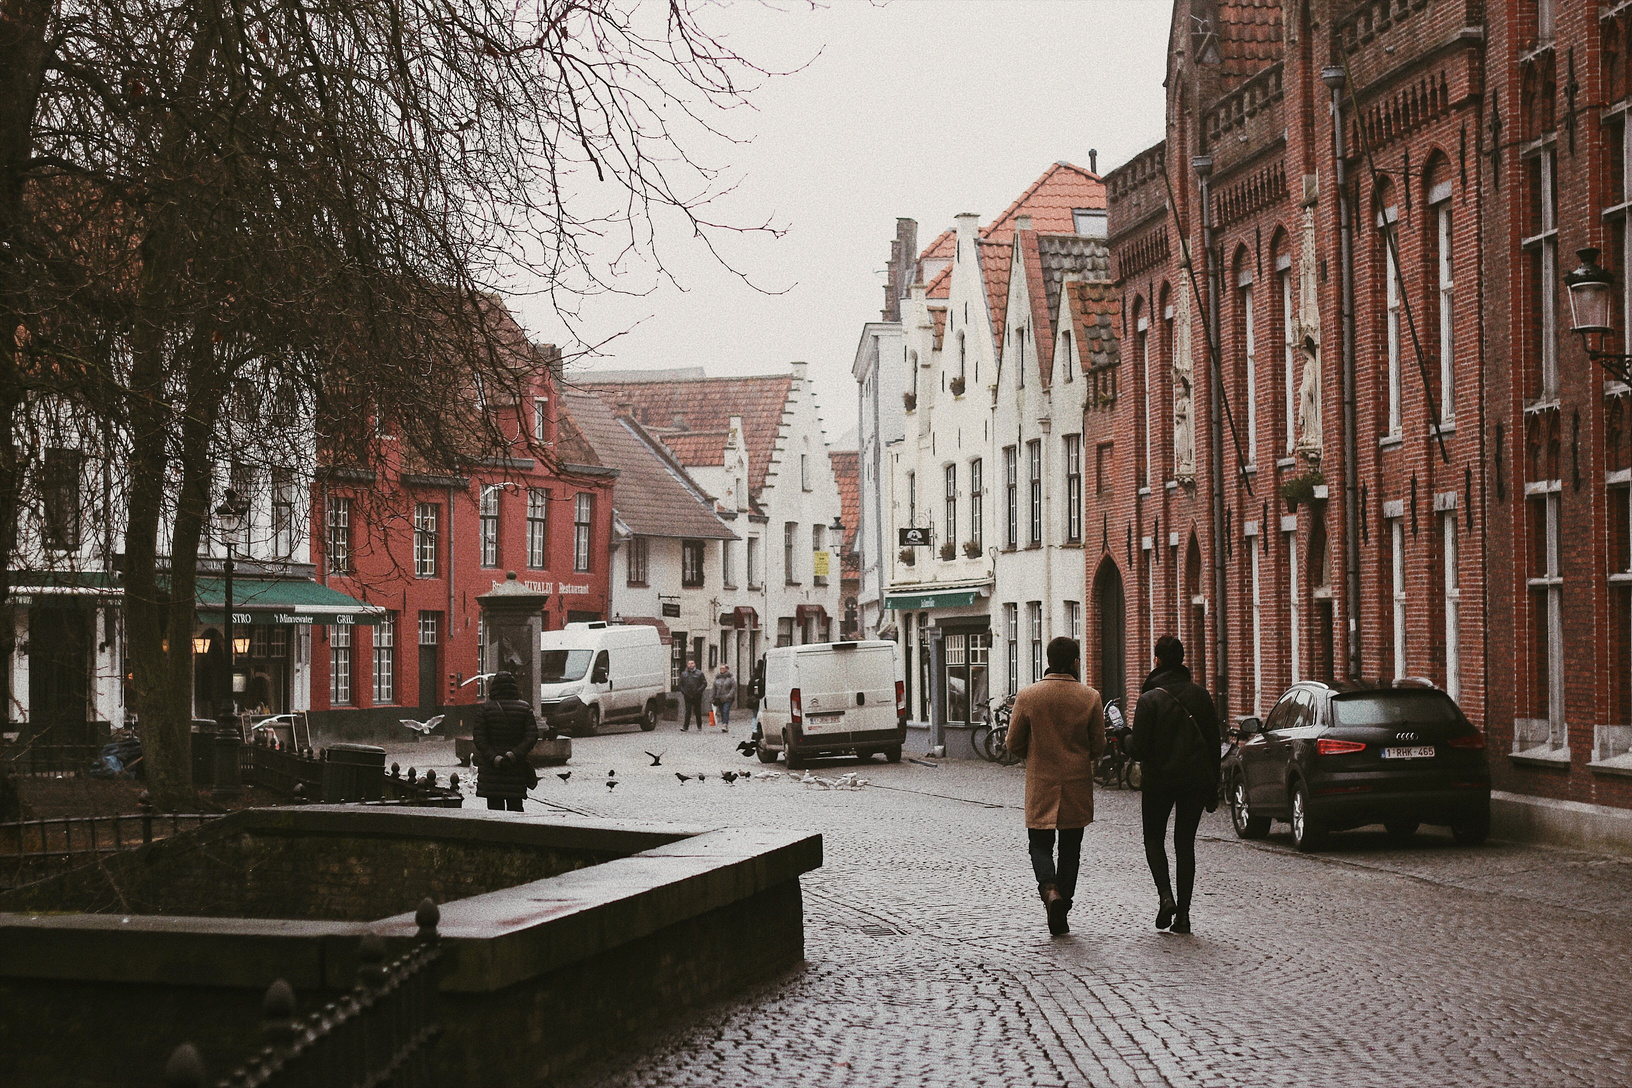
<point x="832" y="698"/>
<point x="602" y="672"/>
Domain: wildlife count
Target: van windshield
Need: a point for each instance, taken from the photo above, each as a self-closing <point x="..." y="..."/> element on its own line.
<point x="561" y="666"/>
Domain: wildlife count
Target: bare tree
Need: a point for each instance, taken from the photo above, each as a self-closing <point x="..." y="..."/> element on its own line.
<point x="212" y="203"/>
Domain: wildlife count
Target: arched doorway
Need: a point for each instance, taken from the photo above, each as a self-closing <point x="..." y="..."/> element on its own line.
<point x="1113" y="629"/>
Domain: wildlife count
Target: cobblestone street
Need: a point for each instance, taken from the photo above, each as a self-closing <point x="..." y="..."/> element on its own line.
<point x="928" y="962"/>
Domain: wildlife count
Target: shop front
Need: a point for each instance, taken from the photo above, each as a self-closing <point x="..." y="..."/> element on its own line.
<point x="946" y="643"/>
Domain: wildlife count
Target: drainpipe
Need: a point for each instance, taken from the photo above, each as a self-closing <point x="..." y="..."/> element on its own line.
<point x="1334" y="78"/>
<point x="1203" y="166"/>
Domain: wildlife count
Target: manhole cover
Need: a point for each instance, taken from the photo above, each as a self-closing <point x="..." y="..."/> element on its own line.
<point x="878" y="931"/>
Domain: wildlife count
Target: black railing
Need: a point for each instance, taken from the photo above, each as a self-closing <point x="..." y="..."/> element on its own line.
<point x="383" y="1031"/>
<point x="32" y="850"/>
<point x="29" y="758"/>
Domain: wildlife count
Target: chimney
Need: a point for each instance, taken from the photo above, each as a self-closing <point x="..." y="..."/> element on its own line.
<point x="968" y="227"/>
<point x="1093" y="160"/>
<point x="892" y="301"/>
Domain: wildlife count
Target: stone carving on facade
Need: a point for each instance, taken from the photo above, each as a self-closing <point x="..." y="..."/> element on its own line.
<point x="1308" y="339"/>
<point x="1184" y="424"/>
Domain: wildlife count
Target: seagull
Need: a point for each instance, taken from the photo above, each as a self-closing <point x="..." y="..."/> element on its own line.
<point x="478" y="676"/>
<point x="563" y="775"/>
<point x="422" y="728"/>
<point x="657" y="758"/>
<point x="682" y="777"/>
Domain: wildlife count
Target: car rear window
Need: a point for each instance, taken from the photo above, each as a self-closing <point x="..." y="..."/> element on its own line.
<point x="1394" y="708"/>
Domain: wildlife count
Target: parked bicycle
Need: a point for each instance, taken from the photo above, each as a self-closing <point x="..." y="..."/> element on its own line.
<point x="1116" y="768"/>
<point x="990" y="739"/>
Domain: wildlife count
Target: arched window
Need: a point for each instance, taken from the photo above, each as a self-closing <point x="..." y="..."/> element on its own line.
<point x="1246" y="362"/>
<point x="1388" y="299"/>
<point x="1142" y="357"/>
<point x="1439" y="282"/>
<point x="1287" y="323"/>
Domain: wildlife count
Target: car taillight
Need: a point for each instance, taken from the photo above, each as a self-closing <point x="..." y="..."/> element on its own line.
<point x="1474" y="741"/>
<point x="795" y="712"/>
<point x="901" y="700"/>
<point x="1328" y="747"/>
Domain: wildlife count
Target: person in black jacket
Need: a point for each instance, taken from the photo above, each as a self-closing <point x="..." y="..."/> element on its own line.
<point x="1176" y="741"/>
<point x="505" y="731"/>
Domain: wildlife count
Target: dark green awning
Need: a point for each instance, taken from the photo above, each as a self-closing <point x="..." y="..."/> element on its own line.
<point x="946" y="598"/>
<point x="281" y="600"/>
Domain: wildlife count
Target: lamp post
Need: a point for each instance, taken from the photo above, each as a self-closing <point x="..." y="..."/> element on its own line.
<point x="1592" y="292"/>
<point x="229" y="518"/>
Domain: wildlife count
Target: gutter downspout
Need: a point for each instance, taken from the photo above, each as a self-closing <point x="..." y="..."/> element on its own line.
<point x="1334" y="77"/>
<point x="1203" y="166"/>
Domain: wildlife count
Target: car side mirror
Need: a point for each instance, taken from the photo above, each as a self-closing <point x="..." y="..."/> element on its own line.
<point x="1249" y="726"/>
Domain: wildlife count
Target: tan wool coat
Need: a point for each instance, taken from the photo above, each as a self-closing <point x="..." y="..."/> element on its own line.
<point x="1059" y="726"/>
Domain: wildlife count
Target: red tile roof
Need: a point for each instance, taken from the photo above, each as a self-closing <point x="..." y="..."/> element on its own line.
<point x="1249" y="33"/>
<point x="844" y="464"/>
<point x="941" y="285"/>
<point x="938" y="314"/>
<point x="1096" y="310"/>
<point x="1049" y="202"/>
<point x="942" y="248"/>
<point x="1042" y="326"/>
<point x="695" y="447"/>
<point x="995" y="259"/>
<point x="707" y="404"/>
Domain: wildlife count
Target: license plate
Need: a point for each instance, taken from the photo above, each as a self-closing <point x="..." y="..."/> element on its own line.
<point x="1421" y="752"/>
<point x="829" y="719"/>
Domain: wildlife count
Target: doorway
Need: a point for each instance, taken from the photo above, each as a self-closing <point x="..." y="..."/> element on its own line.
<point x="1113" y="627"/>
<point x="430" y="631"/>
<point x="59" y="674"/>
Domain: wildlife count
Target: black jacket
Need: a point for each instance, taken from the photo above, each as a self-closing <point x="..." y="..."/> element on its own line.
<point x="1157" y="720"/>
<point x="504" y="726"/>
<point x="693" y="683"/>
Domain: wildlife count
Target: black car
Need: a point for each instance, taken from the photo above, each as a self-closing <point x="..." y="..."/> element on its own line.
<point x="1341" y="755"/>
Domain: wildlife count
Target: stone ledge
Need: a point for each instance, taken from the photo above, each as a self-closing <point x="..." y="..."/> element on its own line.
<point x="1573" y="824"/>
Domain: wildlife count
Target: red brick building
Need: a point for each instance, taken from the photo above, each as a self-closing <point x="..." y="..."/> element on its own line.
<point x="424" y="546"/>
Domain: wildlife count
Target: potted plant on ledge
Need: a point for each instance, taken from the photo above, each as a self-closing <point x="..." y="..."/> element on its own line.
<point x="971" y="550"/>
<point x="909" y="556"/>
<point x="957" y="386"/>
<point x="910" y="399"/>
<point x="1303" y="488"/>
<point x="949" y="551"/>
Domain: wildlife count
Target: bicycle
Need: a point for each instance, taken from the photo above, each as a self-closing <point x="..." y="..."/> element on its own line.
<point x="990" y="739"/>
<point x="1116" y="768"/>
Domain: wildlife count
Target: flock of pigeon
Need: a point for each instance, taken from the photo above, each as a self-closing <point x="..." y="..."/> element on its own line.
<point x="848" y="781"/>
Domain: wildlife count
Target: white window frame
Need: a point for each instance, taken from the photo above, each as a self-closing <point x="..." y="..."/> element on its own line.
<point x="385" y="660"/>
<point x="1551" y="582"/>
<point x="426" y="538"/>
<point x="1073" y="488"/>
<point x="638" y="565"/>
<point x="339" y="534"/>
<point x="583" y="530"/>
<point x="951" y="474"/>
<point x="1396" y="529"/>
<point x="1546" y="243"/>
<point x="1249" y="343"/>
<point x="1294" y="606"/>
<point x="977" y="505"/>
<point x="1034" y="467"/>
<point x="1451" y="572"/>
<point x="1289" y="333"/>
<point x="1034" y="620"/>
<point x="1142" y="329"/>
<point x="489" y="522"/>
<point x="1011" y="625"/>
<point x="1446" y="269"/>
<point x="1393" y="290"/>
<point x="340" y="664"/>
<point x="1073" y="621"/>
<point x="538" y="528"/>
<point x="1257" y="633"/>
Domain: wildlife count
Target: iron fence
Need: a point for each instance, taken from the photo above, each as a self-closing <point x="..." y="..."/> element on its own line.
<point x="383" y="1031"/>
<point x="32" y="850"/>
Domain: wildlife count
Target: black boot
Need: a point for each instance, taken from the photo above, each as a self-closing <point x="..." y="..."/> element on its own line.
<point x="1181" y="921"/>
<point x="1056" y="905"/>
<point x="1165" y="913"/>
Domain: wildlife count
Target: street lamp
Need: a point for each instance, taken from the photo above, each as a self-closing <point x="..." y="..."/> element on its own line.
<point x="229" y="520"/>
<point x="1592" y="291"/>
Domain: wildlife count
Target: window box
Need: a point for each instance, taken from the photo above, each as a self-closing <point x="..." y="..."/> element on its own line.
<point x="971" y="550"/>
<point x="1305" y="488"/>
<point x="958" y="386"/>
<point x="949" y="551"/>
<point x="910" y="400"/>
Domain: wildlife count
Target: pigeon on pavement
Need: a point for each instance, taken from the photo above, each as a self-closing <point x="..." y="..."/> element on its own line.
<point x="682" y="777"/>
<point x="729" y="776"/>
<point x="563" y="775"/>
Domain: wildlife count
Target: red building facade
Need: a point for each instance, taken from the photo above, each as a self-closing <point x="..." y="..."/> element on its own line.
<point x="425" y="546"/>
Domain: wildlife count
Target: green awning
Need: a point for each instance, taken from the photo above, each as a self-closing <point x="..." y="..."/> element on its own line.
<point x="948" y="598"/>
<point x="281" y="600"/>
<point x="39" y="586"/>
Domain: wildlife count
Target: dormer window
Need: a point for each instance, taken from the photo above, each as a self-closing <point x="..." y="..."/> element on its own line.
<point x="1090" y="222"/>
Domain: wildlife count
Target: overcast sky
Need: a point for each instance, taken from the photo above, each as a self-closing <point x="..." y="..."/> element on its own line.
<point x="916" y="108"/>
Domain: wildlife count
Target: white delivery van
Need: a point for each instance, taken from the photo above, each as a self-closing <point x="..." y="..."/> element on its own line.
<point x="832" y="698"/>
<point x="602" y="672"/>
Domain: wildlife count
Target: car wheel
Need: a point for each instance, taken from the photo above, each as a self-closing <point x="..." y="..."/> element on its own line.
<point x="794" y="760"/>
<point x="594" y="725"/>
<point x="766" y="755"/>
<point x="1472" y="832"/>
<point x="1401" y="829"/>
<point x="892" y="755"/>
<point x="1308" y="833"/>
<point x="1248" y="825"/>
<point x="648" y="719"/>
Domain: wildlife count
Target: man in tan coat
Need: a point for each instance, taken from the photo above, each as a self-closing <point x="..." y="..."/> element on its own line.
<point x="1059" y="726"/>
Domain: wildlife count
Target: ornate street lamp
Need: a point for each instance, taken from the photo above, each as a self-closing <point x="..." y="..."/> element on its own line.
<point x="229" y="520"/>
<point x="1592" y="297"/>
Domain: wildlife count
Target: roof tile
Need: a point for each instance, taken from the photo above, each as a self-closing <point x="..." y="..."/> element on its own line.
<point x="844" y="464"/>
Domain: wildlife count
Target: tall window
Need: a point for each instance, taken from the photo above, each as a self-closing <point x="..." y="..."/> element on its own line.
<point x="1034" y="618"/>
<point x="583" y="515"/>
<point x="1142" y="348"/>
<point x="241" y="478"/>
<point x="790" y="572"/>
<point x="1541" y="249"/>
<point x="1249" y="362"/>
<point x="639" y="560"/>
<point x="1257" y="630"/>
<point x="912" y="498"/>
<point x="753" y="562"/>
<point x="540" y="417"/>
<point x="1011" y="633"/>
<point x="490" y="526"/>
<point x="1073" y="487"/>
<point x="1073" y="621"/>
<point x="818" y="554"/>
<point x="1034" y="456"/>
<point x="1386" y="221"/>
<point x="1451" y="576"/>
<point x="804" y="471"/>
<point x="1011" y="491"/>
<point x="1544" y="20"/>
<point x="538" y="524"/>
<point x="1615" y="739"/>
<point x="339" y="536"/>
<point x="1294" y="611"/>
<point x="1546" y="590"/>
<point x="977" y="528"/>
<point x="59" y="484"/>
<point x="1442" y="238"/>
<point x="385" y="660"/>
<point x="340" y="665"/>
<point x="952" y="504"/>
<point x="426" y="531"/>
<point x="1396" y="558"/>
<point x="283" y="512"/>
<point x="691" y="563"/>
<point x="728" y="574"/>
<point x="1289" y="348"/>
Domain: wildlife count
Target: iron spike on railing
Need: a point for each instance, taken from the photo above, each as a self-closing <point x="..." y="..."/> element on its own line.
<point x="427" y="917"/>
<point x="185" y="1069"/>
<point x="278" y="1024"/>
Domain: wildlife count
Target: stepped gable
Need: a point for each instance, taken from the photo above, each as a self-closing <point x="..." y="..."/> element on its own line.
<point x="690" y="405"/>
<point x="653" y="496"/>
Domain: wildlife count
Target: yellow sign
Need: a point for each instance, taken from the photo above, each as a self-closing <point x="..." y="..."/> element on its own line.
<point x="821" y="563"/>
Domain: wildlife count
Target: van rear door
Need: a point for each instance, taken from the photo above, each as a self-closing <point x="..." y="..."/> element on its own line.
<point x="847" y="688"/>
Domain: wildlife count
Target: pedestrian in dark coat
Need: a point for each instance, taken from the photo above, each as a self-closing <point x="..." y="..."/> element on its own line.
<point x="504" y="733"/>
<point x="724" y="694"/>
<point x="1176" y="741"/>
<point x="1058" y="724"/>
<point x="692" y="686"/>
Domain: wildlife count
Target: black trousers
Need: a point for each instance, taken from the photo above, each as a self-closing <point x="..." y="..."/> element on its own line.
<point x="694" y="707"/>
<point x="1064" y="875"/>
<point x="513" y="804"/>
<point x="1155" y="806"/>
